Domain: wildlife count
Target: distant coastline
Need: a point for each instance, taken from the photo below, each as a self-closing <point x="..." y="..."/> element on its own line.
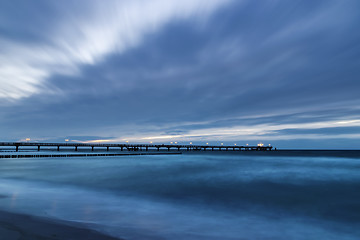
<point x="294" y="153"/>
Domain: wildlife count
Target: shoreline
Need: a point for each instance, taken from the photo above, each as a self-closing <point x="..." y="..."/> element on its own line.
<point x="14" y="226"/>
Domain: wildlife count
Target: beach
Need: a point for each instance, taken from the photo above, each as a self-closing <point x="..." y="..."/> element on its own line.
<point x="25" y="227"/>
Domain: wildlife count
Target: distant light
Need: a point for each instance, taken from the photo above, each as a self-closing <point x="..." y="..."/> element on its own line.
<point x="247" y="144"/>
<point x="127" y="141"/>
<point x="66" y="140"/>
<point x="175" y="142"/>
<point x="27" y="139"/>
<point x="235" y="144"/>
<point x="171" y="142"/>
<point x="269" y="144"/>
<point x="151" y="142"/>
<point x="207" y="143"/>
<point x="260" y="144"/>
<point x="222" y="144"/>
<point x="190" y="142"/>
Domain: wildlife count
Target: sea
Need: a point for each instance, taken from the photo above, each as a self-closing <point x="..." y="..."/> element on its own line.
<point x="213" y="195"/>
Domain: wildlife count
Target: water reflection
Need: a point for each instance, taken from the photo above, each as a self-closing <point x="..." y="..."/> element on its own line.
<point x="192" y="196"/>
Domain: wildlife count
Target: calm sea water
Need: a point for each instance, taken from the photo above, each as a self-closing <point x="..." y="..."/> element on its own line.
<point x="191" y="196"/>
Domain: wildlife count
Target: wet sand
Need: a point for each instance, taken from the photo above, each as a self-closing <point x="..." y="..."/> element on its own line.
<point x="25" y="227"/>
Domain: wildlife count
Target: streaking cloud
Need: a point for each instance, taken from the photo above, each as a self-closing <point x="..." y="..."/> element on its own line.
<point x="85" y="33"/>
<point x="260" y="131"/>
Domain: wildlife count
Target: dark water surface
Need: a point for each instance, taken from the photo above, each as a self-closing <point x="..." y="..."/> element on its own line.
<point x="192" y="196"/>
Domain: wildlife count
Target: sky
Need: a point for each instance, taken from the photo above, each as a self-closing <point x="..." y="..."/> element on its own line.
<point x="285" y="73"/>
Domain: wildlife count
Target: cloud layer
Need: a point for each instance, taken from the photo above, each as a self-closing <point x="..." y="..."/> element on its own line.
<point x="190" y="70"/>
<point x="84" y="33"/>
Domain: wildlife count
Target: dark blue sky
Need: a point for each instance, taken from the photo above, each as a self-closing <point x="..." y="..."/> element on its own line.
<point x="279" y="72"/>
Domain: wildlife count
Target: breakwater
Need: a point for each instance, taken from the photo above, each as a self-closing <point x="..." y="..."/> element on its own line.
<point x="80" y="155"/>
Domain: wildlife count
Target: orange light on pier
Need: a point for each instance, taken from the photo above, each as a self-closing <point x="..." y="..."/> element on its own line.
<point x="66" y="140"/>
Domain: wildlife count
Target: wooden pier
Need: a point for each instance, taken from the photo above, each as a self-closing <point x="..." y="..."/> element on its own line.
<point x="133" y="147"/>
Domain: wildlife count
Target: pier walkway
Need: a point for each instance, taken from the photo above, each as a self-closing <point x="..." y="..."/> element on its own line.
<point x="133" y="147"/>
